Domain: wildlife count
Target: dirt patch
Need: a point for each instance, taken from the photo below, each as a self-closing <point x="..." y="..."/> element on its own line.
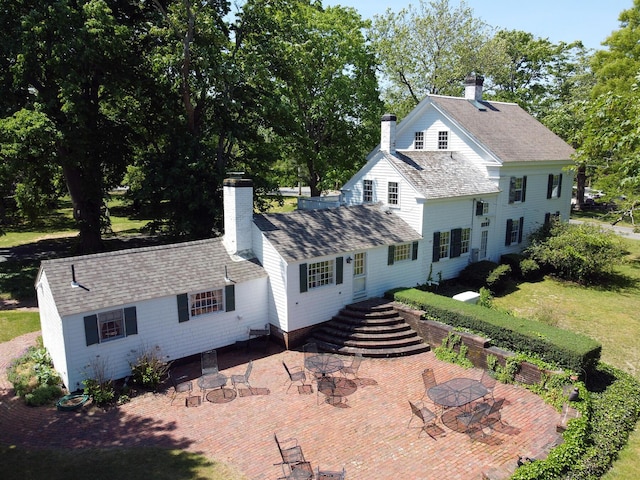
<point x="30" y="305"/>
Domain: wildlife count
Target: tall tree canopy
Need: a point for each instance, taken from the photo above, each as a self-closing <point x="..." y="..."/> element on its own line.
<point x="67" y="66"/>
<point x="429" y="49"/>
<point x="323" y="104"/>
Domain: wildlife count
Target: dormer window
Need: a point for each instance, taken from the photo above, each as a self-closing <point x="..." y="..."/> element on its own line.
<point x="418" y="140"/>
<point x="443" y="140"/>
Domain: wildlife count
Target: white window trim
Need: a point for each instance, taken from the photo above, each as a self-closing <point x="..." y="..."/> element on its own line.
<point x="111" y="316"/>
<point x="393" y="195"/>
<point x="320" y="274"/>
<point x="210" y="302"/>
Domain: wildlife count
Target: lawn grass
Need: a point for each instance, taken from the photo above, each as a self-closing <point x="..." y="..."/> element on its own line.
<point x="122" y="464"/>
<point x="14" y="323"/>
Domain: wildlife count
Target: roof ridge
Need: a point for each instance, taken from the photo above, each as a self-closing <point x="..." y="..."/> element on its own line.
<point x="135" y="250"/>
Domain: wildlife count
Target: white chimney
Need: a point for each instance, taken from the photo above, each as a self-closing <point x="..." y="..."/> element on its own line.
<point x="238" y="215"/>
<point x="473" y="87"/>
<point x="388" y="133"/>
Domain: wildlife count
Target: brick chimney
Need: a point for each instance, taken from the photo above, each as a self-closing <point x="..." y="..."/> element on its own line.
<point x="238" y="215"/>
<point x="388" y="133"/>
<point x="473" y="87"/>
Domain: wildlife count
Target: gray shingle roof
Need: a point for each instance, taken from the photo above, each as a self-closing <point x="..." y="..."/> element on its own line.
<point x="306" y="234"/>
<point x="506" y="129"/>
<point x="442" y="174"/>
<point x="128" y="276"/>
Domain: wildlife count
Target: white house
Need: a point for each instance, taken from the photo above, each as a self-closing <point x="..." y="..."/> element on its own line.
<point x="457" y="181"/>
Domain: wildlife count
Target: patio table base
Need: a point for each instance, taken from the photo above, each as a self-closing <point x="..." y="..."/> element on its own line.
<point x="221" y="395"/>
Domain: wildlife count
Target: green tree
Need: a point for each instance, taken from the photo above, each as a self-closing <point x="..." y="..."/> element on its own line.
<point x="430" y="49"/>
<point x="583" y="253"/>
<point x="73" y="64"/>
<point x="315" y="75"/>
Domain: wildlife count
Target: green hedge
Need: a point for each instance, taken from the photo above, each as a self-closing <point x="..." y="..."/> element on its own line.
<point x="554" y="345"/>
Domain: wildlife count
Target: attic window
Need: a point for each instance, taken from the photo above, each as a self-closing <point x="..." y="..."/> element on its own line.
<point x="443" y="140"/>
<point x="367" y="191"/>
<point x="418" y="140"/>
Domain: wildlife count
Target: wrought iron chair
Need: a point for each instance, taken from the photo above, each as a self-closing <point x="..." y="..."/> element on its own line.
<point x="330" y="475"/>
<point x="489" y="382"/>
<point x="493" y="413"/>
<point x="290" y="452"/>
<point x="353" y="367"/>
<point x="244" y="378"/>
<point x="427" y="416"/>
<point x="472" y="421"/>
<point x="179" y="385"/>
<point x="209" y="362"/>
<point x="429" y="380"/>
<point x="294" y="375"/>
<point x="310" y="350"/>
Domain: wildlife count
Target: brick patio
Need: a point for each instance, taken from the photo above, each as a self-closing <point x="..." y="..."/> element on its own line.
<point x="367" y="434"/>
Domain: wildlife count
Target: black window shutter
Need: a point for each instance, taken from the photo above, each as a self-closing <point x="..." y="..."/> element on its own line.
<point x="507" y="240"/>
<point x="303" y="278"/>
<point x="550" y="186"/>
<point x="520" y="229"/>
<point x="456" y="242"/>
<point x="479" y="208"/>
<point x="183" y="307"/>
<point x="339" y="270"/>
<point x="229" y="298"/>
<point x="91" y="329"/>
<point x="559" y="185"/>
<point x="547" y="218"/>
<point x="436" y="246"/>
<point x="512" y="189"/>
<point x="414" y="251"/>
<point x="524" y="187"/>
<point x="130" y="321"/>
<point x="391" y="254"/>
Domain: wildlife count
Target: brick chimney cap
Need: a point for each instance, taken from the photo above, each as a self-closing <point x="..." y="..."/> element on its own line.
<point x="474" y="79"/>
<point x="389" y="117"/>
<point x="237" y="182"/>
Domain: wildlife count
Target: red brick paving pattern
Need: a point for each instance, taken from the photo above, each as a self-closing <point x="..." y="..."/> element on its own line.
<point x="369" y="436"/>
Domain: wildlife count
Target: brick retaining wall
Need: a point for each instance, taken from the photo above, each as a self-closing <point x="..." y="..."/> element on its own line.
<point x="478" y="347"/>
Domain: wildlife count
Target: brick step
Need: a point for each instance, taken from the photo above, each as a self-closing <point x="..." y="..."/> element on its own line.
<point x="348" y="328"/>
<point x="346" y="312"/>
<point x="379" y="336"/>
<point x="371" y="321"/>
<point x="373" y="353"/>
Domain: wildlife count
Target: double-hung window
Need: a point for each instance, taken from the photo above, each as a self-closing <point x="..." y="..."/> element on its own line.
<point x="554" y="186"/>
<point x="367" y="191"/>
<point x="443" y="140"/>
<point x="206" y="302"/>
<point x="517" y="189"/>
<point x="110" y="325"/>
<point x="444" y="245"/>
<point x="418" y="140"/>
<point x="465" y="240"/>
<point x="319" y="274"/>
<point x="393" y="193"/>
<point x="514" y="231"/>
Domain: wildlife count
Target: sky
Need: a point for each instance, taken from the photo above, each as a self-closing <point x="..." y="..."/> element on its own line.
<point x="590" y="21"/>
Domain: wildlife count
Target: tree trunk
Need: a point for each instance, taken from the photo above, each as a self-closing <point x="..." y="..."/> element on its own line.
<point x="581" y="180"/>
<point x="86" y="208"/>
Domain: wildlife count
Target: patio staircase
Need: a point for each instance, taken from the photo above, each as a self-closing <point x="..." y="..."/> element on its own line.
<point x="371" y="327"/>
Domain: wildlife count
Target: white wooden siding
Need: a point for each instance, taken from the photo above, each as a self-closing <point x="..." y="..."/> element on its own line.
<point x="51" y="328"/>
<point x="158" y="328"/>
<point x="277" y="270"/>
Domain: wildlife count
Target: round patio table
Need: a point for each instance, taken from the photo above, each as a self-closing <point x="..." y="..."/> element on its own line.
<point x="323" y="363"/>
<point x="457" y="392"/>
<point x="212" y="380"/>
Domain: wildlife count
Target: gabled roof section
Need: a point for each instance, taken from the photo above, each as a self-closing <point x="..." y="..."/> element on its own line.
<point x="441" y="174"/>
<point x="129" y="276"/>
<point x="505" y="129"/>
<point x="308" y="234"/>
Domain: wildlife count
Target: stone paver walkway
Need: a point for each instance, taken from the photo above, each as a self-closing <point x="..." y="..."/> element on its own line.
<point x="367" y="434"/>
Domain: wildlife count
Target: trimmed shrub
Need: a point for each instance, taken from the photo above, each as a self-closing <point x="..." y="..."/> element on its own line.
<point x="513" y="260"/>
<point x="551" y="344"/>
<point x="530" y="270"/>
<point x="499" y="278"/>
<point x="476" y="274"/>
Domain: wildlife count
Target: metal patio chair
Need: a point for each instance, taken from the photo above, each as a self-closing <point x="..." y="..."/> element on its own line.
<point x="427" y="417"/>
<point x="290" y="451"/>
<point x="294" y="375"/>
<point x="429" y="380"/>
<point x="489" y="382"/>
<point x="179" y="385"/>
<point x="353" y="367"/>
<point x="244" y="378"/>
<point x="209" y="362"/>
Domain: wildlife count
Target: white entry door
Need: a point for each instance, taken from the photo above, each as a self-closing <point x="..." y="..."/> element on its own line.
<point x="359" y="276"/>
